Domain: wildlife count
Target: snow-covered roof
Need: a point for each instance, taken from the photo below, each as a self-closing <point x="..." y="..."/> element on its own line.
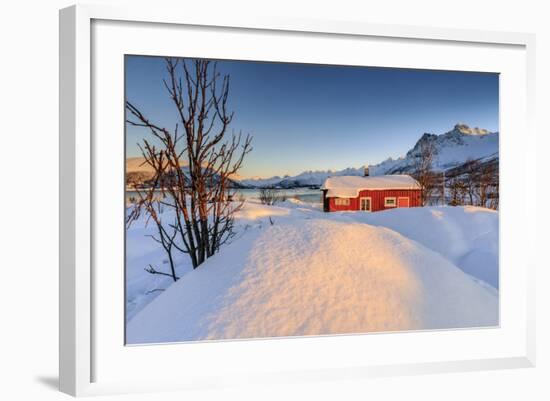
<point x="349" y="186"/>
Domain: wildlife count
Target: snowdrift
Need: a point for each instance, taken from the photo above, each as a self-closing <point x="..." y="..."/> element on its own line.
<point x="467" y="236"/>
<point x="315" y="275"/>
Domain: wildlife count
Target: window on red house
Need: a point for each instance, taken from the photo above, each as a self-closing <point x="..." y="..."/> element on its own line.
<point x="390" y="201"/>
<point x="341" y="201"/>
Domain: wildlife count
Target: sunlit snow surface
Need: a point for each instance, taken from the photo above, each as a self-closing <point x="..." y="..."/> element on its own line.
<point x="313" y="273"/>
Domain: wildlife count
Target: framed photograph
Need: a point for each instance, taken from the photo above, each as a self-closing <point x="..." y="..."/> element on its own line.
<point x="269" y="200"/>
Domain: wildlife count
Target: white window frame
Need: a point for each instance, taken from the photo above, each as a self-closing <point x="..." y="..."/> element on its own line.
<point x="341" y="201"/>
<point x="386" y="198"/>
<point x="370" y="203"/>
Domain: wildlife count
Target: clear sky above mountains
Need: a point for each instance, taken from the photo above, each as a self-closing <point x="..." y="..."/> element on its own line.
<point x="316" y="117"/>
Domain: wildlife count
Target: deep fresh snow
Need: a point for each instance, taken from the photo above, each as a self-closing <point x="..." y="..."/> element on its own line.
<point x="467" y="236"/>
<point x="316" y="273"/>
<point x="143" y="287"/>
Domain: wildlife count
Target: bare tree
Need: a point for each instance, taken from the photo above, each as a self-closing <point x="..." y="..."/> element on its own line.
<point x="166" y="232"/>
<point x="199" y="194"/>
<point x="494" y="196"/>
<point x="471" y="172"/>
<point x="487" y="185"/>
<point x="470" y="179"/>
<point x="422" y="170"/>
<point x="438" y="192"/>
<point x="268" y="196"/>
<point x="457" y="191"/>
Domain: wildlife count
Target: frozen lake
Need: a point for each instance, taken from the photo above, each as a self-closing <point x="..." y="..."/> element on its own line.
<point x="304" y="194"/>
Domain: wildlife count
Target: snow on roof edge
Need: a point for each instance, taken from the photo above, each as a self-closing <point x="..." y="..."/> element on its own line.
<point x="350" y="186"/>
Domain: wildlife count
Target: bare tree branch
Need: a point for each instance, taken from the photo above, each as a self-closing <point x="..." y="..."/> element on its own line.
<point x="193" y="165"/>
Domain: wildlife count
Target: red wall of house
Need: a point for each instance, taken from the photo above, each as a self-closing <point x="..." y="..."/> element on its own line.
<point x="377" y="199"/>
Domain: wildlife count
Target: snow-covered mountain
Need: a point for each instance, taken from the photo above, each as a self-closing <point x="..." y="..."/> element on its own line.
<point x="138" y="171"/>
<point x="452" y="149"/>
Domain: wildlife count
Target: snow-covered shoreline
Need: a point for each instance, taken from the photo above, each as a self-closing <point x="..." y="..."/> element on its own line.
<point x="294" y="270"/>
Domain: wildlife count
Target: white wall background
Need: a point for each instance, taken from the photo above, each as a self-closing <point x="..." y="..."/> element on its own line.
<point x="29" y="169"/>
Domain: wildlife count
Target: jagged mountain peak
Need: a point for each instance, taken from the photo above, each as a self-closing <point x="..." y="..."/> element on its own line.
<point x="466" y="130"/>
<point x="450" y="148"/>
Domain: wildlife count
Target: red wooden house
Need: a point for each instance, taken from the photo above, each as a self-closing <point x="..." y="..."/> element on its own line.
<point x="370" y="193"/>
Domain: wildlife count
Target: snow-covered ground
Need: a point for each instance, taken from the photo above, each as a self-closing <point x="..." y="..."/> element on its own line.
<point x="317" y="273"/>
<point x="467" y="236"/>
<point x="141" y="250"/>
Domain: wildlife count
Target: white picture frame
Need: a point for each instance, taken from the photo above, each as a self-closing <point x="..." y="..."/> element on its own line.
<point x="82" y="344"/>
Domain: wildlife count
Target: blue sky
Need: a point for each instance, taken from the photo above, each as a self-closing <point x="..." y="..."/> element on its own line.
<point x="317" y="117"/>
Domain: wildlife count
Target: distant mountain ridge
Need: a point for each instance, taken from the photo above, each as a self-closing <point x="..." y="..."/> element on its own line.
<point x="305" y="179"/>
<point x="138" y="171"/>
<point x="452" y="149"/>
